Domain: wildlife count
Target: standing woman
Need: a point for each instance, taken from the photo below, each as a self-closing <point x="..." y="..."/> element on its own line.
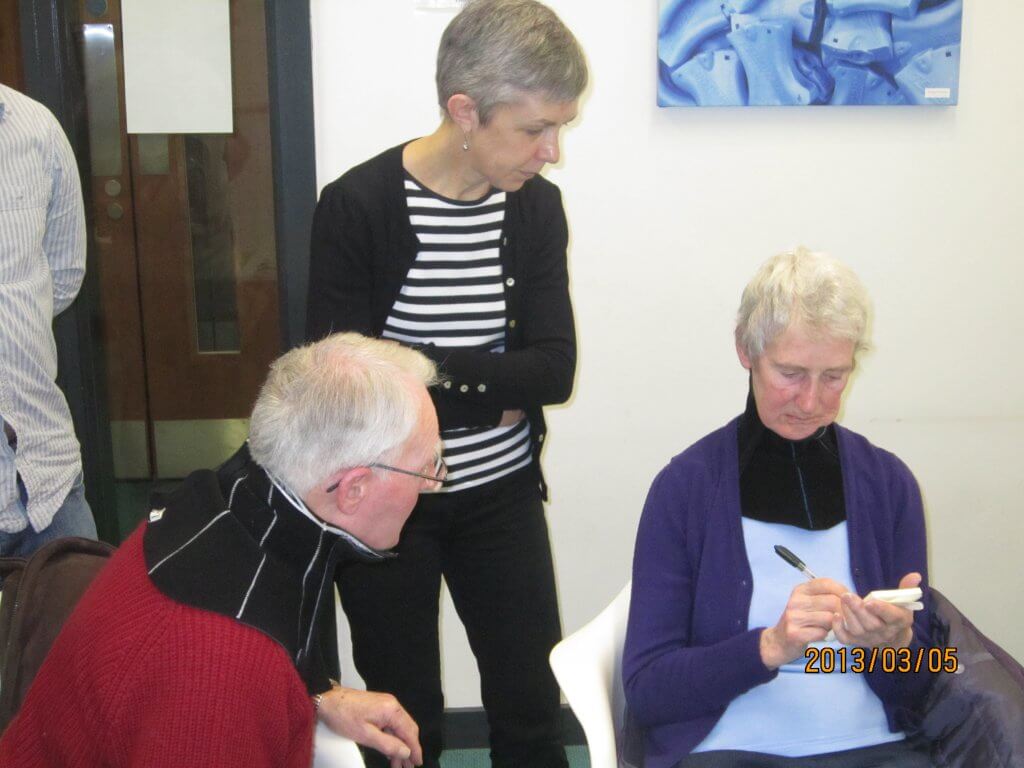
<point x="454" y="244"/>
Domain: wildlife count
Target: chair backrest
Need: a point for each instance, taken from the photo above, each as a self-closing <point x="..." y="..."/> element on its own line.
<point x="38" y="596"/>
<point x="588" y="667"/>
<point x="331" y="750"/>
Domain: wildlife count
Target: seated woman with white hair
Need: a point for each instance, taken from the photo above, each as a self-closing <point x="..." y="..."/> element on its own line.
<point x="723" y="632"/>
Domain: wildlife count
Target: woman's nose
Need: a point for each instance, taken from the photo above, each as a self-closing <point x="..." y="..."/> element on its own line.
<point x="808" y="397"/>
<point x="549" y="151"/>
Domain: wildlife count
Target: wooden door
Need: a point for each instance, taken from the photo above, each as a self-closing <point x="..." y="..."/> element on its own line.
<point x="187" y="258"/>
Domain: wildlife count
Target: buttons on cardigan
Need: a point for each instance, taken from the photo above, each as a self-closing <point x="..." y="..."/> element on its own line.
<point x="540" y="438"/>
<point x="510" y="281"/>
<point x="512" y="323"/>
<point x="481" y="388"/>
<point x="743" y="583"/>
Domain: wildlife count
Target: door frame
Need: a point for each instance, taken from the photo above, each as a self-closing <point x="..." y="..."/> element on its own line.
<point x="53" y="76"/>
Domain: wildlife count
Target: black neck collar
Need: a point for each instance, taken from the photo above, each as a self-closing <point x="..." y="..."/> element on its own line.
<point x="794" y="482"/>
<point x="236" y="543"/>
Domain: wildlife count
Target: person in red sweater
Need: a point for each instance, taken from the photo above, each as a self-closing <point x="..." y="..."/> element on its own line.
<point x="196" y="645"/>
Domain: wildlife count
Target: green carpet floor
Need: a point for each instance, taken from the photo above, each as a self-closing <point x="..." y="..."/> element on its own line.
<point x="479" y="758"/>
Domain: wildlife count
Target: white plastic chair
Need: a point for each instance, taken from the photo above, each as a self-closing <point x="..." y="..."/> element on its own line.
<point x="588" y="667"/>
<point x="332" y="750"/>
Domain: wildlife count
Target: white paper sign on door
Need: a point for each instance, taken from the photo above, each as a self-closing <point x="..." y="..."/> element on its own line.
<point x="177" y="66"/>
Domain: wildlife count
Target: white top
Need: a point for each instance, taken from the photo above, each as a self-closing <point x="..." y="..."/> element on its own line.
<point x="798" y="713"/>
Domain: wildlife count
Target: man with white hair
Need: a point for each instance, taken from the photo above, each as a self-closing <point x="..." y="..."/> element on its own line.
<point x="196" y="645"/>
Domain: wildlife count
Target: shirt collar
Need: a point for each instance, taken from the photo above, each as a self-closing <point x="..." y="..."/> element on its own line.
<point x="295" y="501"/>
<point x="237" y="543"/>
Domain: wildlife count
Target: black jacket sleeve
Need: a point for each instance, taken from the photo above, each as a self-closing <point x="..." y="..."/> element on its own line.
<point x="538" y="367"/>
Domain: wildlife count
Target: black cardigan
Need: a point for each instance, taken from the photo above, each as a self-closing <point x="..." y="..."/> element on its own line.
<point x="362" y="248"/>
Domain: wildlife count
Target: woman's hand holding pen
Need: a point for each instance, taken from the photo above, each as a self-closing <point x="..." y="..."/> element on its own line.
<point x="808" y="617"/>
<point x="820" y="605"/>
<point x="874" y="623"/>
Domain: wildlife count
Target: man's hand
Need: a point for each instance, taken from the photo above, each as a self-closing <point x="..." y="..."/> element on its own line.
<point x="375" y="720"/>
<point x="876" y="624"/>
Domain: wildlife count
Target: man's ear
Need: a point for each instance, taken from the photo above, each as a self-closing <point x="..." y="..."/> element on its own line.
<point x="462" y="111"/>
<point x="352" y="490"/>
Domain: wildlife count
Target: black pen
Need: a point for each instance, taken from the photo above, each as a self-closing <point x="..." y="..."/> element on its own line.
<point x="793" y="560"/>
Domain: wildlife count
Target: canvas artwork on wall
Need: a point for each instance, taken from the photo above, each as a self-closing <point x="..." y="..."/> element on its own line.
<point x="808" y="52"/>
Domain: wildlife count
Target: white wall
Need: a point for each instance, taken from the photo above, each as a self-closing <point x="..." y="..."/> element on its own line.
<point x="671" y="210"/>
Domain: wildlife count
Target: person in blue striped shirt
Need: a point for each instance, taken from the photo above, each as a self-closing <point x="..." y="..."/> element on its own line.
<point x="42" y="263"/>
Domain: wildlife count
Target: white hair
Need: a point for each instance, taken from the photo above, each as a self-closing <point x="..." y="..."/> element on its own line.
<point x="344" y="401"/>
<point x="807" y="288"/>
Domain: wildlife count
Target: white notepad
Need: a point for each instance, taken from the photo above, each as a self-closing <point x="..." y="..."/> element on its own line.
<point x="907" y="598"/>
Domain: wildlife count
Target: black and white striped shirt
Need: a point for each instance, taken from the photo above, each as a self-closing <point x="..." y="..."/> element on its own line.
<point x="453" y="297"/>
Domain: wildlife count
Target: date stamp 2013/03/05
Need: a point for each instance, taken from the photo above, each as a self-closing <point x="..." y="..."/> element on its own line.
<point x="827" y="659"/>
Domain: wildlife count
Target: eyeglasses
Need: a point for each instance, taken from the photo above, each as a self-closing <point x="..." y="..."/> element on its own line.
<point x="440" y="473"/>
<point x="440" y="470"/>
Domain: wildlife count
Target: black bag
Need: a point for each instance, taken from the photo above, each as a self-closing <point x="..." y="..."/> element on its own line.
<point x="974" y="718"/>
<point x="37" y="597"/>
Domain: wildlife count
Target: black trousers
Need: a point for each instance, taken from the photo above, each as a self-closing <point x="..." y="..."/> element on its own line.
<point x="491" y="546"/>
<point x="896" y="754"/>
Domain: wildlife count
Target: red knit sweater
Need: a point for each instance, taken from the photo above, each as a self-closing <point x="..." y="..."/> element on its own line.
<point x="136" y="679"/>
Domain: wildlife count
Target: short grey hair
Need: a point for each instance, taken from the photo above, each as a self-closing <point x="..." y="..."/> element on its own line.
<point x="803" y="287"/>
<point x="495" y="50"/>
<point x="341" y="402"/>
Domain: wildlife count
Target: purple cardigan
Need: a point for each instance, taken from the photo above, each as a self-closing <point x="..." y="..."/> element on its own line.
<point x="688" y="652"/>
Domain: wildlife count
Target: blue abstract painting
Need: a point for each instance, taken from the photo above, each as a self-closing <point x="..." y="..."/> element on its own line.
<point x="808" y="52"/>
